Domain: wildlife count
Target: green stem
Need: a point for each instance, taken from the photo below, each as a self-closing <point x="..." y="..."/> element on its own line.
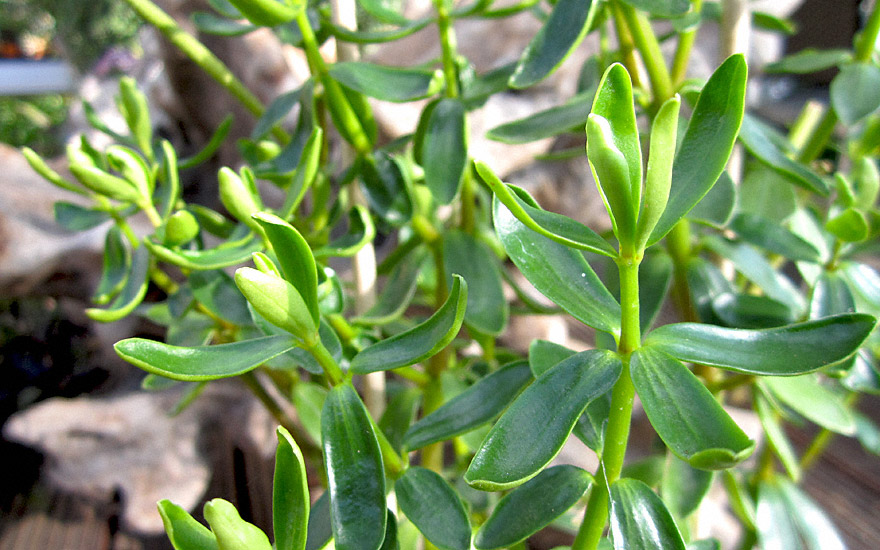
<point x="678" y="244"/>
<point x="197" y="52"/>
<point x="468" y="201"/>
<point x="627" y="47"/>
<point x="448" y="46"/>
<point x="328" y="363"/>
<point x="620" y="416"/>
<point x="683" y="50"/>
<point x="823" y="439"/>
<point x="649" y="48"/>
<point x="394" y="464"/>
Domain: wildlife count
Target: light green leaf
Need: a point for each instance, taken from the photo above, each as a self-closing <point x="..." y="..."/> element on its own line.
<point x="132" y="292"/>
<point x="356" y="478"/>
<point x="809" y="60"/>
<point x="387" y="83"/>
<point x="776" y="436"/>
<point x="184" y="532"/>
<point x="809" y="397"/>
<point x="787" y="519"/>
<point x="685" y="414"/>
<point x="470" y="409"/>
<point x="225" y="255"/>
<point x="609" y="167"/>
<point x="232" y="532"/>
<point x="658" y="179"/>
<point x="435" y="508"/>
<point x="74" y="217"/>
<point x="533" y="506"/>
<point x="773" y="237"/>
<point x="707" y="143"/>
<point x="268" y="13"/>
<point x="565" y="28"/>
<point x="851" y="225"/>
<point x="855" y="91"/>
<point x="784" y="351"/>
<point x="640" y="520"/>
<point x="278" y="302"/>
<point x="718" y="205"/>
<point x="420" y="342"/>
<point x="290" y="495"/>
<point x="203" y="362"/>
<point x="544" y="415"/>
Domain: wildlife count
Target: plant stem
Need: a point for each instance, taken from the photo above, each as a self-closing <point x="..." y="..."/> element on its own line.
<point x="620" y="416"/>
<point x="448" y="46"/>
<point x="432" y="455"/>
<point x="649" y="48"/>
<point x="627" y="48"/>
<point x="328" y="363"/>
<point x="197" y="52"/>
<point x="683" y="50"/>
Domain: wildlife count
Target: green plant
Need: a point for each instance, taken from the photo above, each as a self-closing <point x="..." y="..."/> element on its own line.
<point x="788" y="348"/>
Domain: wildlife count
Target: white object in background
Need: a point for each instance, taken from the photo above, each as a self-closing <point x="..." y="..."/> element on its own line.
<point x="29" y="77"/>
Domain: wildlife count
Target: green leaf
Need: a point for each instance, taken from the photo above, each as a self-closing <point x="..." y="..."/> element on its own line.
<point x="399" y="414"/>
<point x="444" y="149"/>
<point x="381" y="36"/>
<point x="294" y="257"/>
<point x="658" y="179"/>
<point x="132" y="293"/>
<point x="225" y="255"/>
<point x="105" y="184"/>
<point x="741" y="310"/>
<point x="787" y="519"/>
<point x="661" y="8"/>
<point x="809" y="397"/>
<point x="831" y="295"/>
<point x="278" y="302"/>
<point x="239" y="195"/>
<point x="683" y="487"/>
<point x="609" y="167"/>
<point x="763" y="143"/>
<point x="565" y="28"/>
<point x="773" y="237"/>
<point x="386" y="188"/>
<point x="184" y="532"/>
<point x="769" y="22"/>
<point x="435" y="508"/>
<point x="384" y="10"/>
<point x="356" y="478"/>
<point x="544" y="124"/>
<point x="268" y="13"/>
<point x="718" y="205"/>
<point x="276" y="112"/>
<point x="707" y="143"/>
<point x="74" y="217"/>
<point x="232" y="532"/>
<point x="766" y="193"/>
<point x="209" y="23"/>
<point x="132" y="104"/>
<point x="543" y="415"/>
<point x="533" y="506"/>
<point x="290" y="495"/>
<point x="855" y="91"/>
<point x="776" y="436"/>
<point x="784" y="351"/>
<point x="397" y="293"/>
<point x="655" y="275"/>
<point x="470" y="409"/>
<point x="308" y="399"/>
<point x="180" y="228"/>
<point x="640" y="520"/>
<point x="809" y="60"/>
<point x="117" y="263"/>
<point x="197" y="364"/>
<point x="558" y="272"/>
<point x="361" y="231"/>
<point x="387" y="83"/>
<point x="851" y="225"/>
<point x="685" y="414"/>
<point x="557" y="227"/>
<point x="419" y="342"/>
<point x="217" y="292"/>
<point x="390" y="542"/>
<point x="487" y="308"/>
<point x="543" y="355"/>
<point x="320" y="527"/>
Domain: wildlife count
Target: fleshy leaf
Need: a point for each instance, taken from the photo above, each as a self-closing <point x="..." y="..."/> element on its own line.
<point x="184" y="532"/>
<point x="387" y="83"/>
<point x="420" y="342"/>
<point x="487" y="308"/>
<point x="533" y="506"/>
<point x="639" y="519"/>
<point x="544" y="415"/>
<point x="684" y="487"/>
<point x="434" y="507"/>
<point x="356" y="478"/>
<point x="132" y="293"/>
<point x="74" y="217"/>
<point x="278" y="302"/>
<point x="658" y="178"/>
<point x="473" y="407"/>
<point x="232" y="532"/>
<point x="565" y="28"/>
<point x="788" y="519"/>
<point x="809" y="60"/>
<point x="225" y="255"/>
<point x="544" y="124"/>
<point x="784" y="351"/>
<point x="203" y="362"/>
<point x="117" y="262"/>
<point x="444" y="149"/>
<point x="855" y="91"/>
<point x="707" y="143"/>
<point x="810" y="398"/>
<point x="662" y="8"/>
<point x="290" y="495"/>
<point x="685" y="414"/>
<point x="775" y="238"/>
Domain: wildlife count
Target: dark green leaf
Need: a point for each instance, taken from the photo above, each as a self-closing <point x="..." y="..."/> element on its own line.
<point x="209" y="23"/>
<point x="471" y="408"/>
<point x="387" y="83"/>
<point x="444" y="149"/>
<point x="707" y="143"/>
<point x="184" y="532"/>
<point x="639" y="520"/>
<point x="784" y="351"/>
<point x="808" y="61"/>
<point x="544" y="354"/>
<point x="662" y="8"/>
<point x="290" y="495"/>
<point x="741" y="310"/>
<point x="685" y="414"/>
<point x="435" y="508"/>
<point x="399" y="415"/>
<point x="378" y="37"/>
<point x="420" y="342"/>
<point x="655" y="275"/>
<point x="117" y="262"/>
<point x="787" y="519"/>
<point x="390" y="542"/>
<point x="276" y="112"/>
<point x="487" y="308"/>
<point x="557" y="227"/>
<point x="762" y="142"/>
<point x="217" y="292"/>
<point x="132" y="292"/>
<point x="397" y="292"/>
<point x="718" y="204"/>
<point x="831" y="295"/>
<point x="558" y="272"/>
<point x="225" y="255"/>
<point x="202" y="362"/>
<point x="809" y="397"/>
<point x="386" y="188"/>
<point x="533" y="506"/>
<point x="356" y="478"/>
<point x="74" y="217"/>
<point x="775" y="238"/>
<point x="360" y="232"/>
<point x="544" y="124"/>
<point x="684" y="487"/>
<point x="565" y="28"/>
<point x="543" y="415"/>
<point x="320" y="528"/>
<point x="855" y="91"/>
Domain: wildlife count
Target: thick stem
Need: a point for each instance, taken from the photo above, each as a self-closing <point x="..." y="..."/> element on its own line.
<point x="620" y="415"/>
<point x="328" y="363"/>
<point x="627" y="48"/>
<point x="683" y="50"/>
<point x="649" y="48"/>
<point x="448" y="46"/>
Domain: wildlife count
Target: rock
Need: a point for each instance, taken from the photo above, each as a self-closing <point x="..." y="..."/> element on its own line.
<point x="128" y="442"/>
